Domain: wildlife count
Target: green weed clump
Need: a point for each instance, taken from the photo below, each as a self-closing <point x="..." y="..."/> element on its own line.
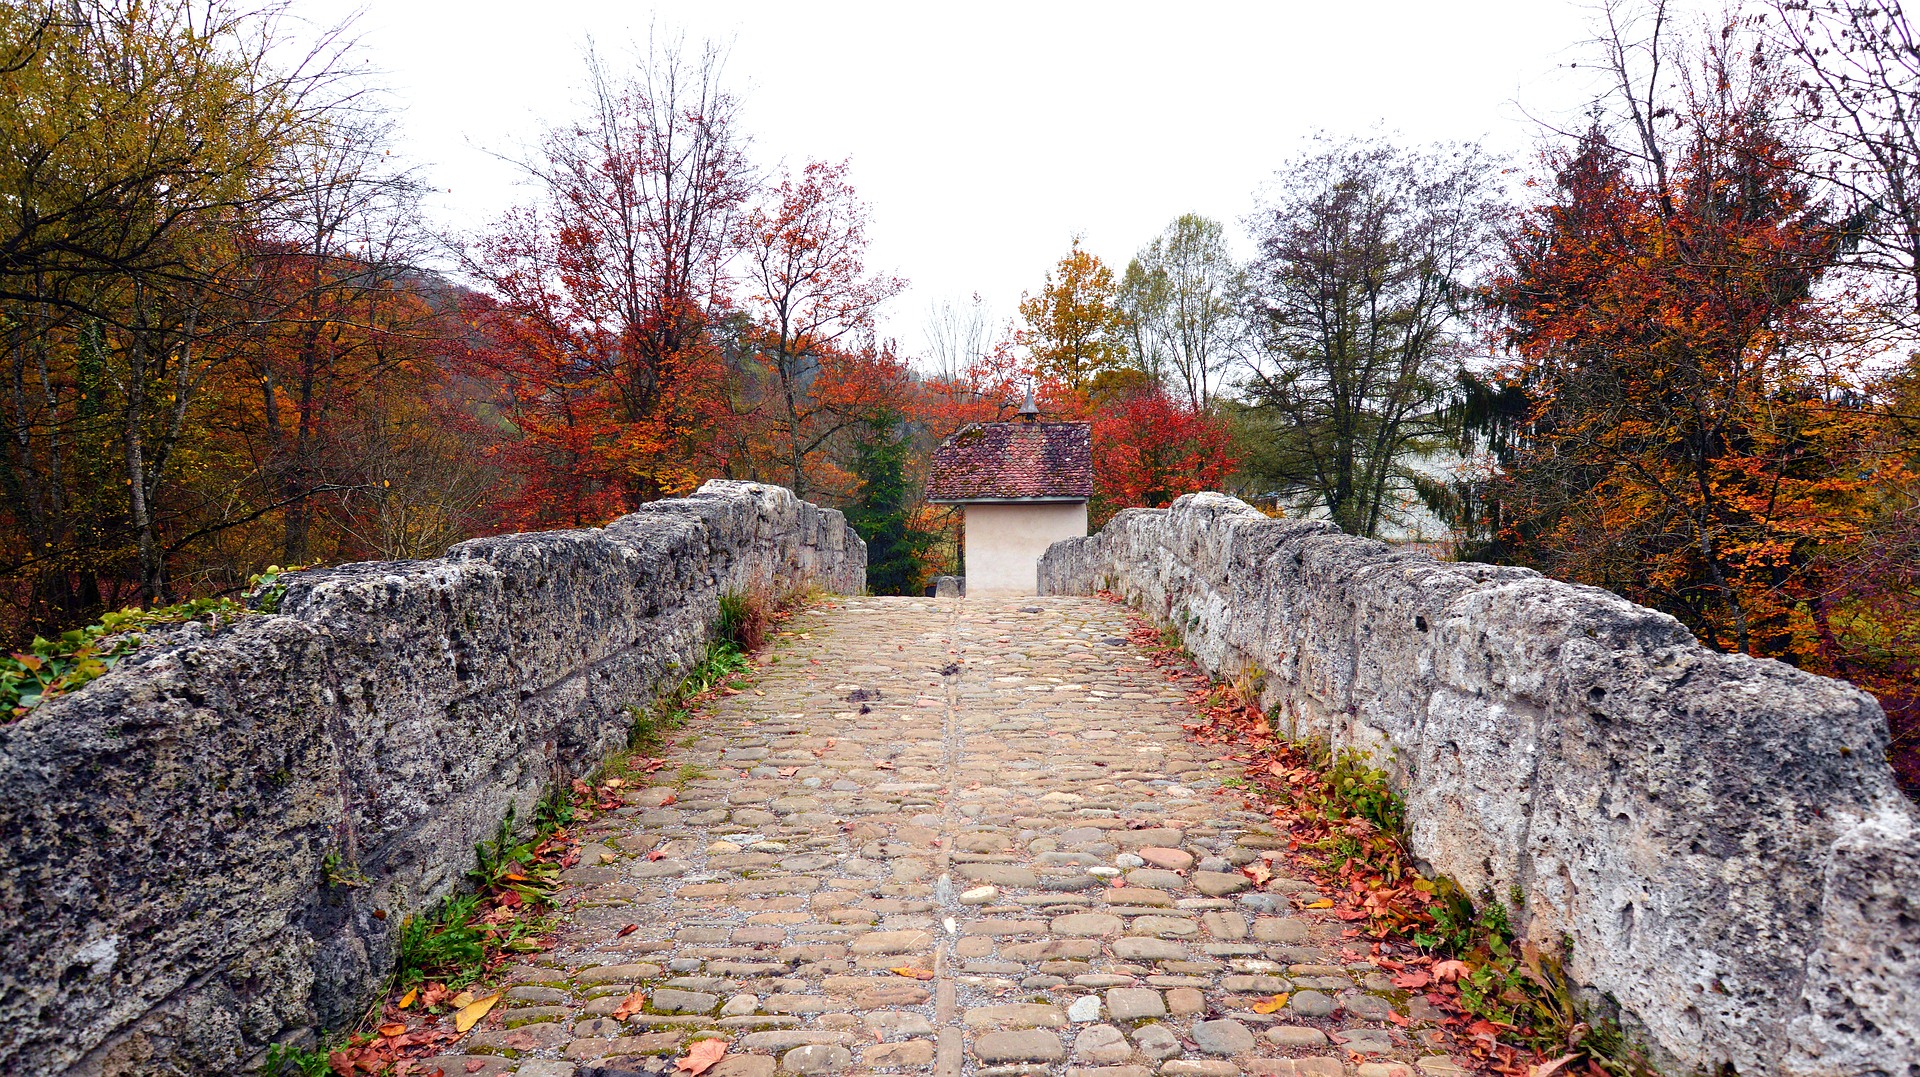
<point x="445" y="945"/>
<point x="284" y="1060"/>
<point x="718" y="668"/>
<point x="744" y="617"/>
<point x="456" y="943"/>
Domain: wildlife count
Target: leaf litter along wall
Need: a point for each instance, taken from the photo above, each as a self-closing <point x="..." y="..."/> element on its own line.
<point x="1716" y="839"/>
<point x="168" y="828"/>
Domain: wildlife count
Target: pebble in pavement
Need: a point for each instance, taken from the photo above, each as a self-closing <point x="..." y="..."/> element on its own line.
<point x="995" y="791"/>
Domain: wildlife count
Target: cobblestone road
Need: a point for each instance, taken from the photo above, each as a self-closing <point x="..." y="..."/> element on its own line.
<point x="957" y="787"/>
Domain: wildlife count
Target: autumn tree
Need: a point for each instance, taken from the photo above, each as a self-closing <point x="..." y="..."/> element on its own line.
<point x="1357" y="303"/>
<point x="803" y="246"/>
<point x="332" y="288"/>
<point x="604" y="293"/>
<point x="1074" y="328"/>
<point x="1692" y="434"/>
<point x="147" y="148"/>
<point x="1150" y="448"/>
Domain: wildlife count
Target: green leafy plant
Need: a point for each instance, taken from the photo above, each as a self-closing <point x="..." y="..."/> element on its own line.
<point x="337" y="871"/>
<point x="444" y="945"/>
<point x="266" y="589"/>
<point x="285" y="1060"/>
<point x="48" y="669"/>
<point x="506" y="865"/>
<point x="555" y="810"/>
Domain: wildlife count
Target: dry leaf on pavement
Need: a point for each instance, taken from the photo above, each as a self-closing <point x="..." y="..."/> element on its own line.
<point x="472" y="1012"/>
<point x="702" y="1056"/>
<point x="1272" y="1003"/>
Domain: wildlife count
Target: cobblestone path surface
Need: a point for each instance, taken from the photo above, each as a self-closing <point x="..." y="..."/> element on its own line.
<point x="995" y="791"/>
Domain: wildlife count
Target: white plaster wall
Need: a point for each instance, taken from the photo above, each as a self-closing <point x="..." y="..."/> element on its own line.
<point x="1004" y="542"/>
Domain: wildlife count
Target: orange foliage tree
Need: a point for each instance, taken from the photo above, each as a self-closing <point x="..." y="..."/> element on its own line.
<point x="1075" y="328"/>
<point x="1692" y="431"/>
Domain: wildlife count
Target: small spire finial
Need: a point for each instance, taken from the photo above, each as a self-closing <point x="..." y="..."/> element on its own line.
<point x="1029" y="411"/>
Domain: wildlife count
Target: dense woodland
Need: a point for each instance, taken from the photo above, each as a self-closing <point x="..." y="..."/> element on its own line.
<point x="1671" y="354"/>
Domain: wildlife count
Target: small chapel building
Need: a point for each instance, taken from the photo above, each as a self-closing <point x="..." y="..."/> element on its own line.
<point x="1022" y="486"/>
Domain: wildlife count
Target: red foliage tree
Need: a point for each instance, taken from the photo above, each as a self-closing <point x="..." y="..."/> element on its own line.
<point x="600" y="332"/>
<point x="812" y="301"/>
<point x="1149" y="448"/>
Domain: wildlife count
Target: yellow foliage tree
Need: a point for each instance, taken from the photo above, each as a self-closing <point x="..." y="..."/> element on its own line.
<point x="1075" y="329"/>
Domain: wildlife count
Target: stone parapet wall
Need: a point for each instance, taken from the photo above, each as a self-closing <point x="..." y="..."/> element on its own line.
<point x="166" y="832"/>
<point x="1715" y="839"/>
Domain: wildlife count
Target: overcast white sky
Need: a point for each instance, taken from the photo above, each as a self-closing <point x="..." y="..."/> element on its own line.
<point x="986" y="134"/>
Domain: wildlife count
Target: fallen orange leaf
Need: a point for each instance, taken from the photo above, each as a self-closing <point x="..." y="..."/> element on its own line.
<point x="407" y="999"/>
<point x="702" y="1056"/>
<point x="391" y="1031"/>
<point x="1272" y="1003"/>
<point x="630" y="1005"/>
<point x="1323" y="903"/>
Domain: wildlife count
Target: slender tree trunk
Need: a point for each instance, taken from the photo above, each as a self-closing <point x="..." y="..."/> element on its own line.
<point x="152" y="580"/>
<point x="297" y="478"/>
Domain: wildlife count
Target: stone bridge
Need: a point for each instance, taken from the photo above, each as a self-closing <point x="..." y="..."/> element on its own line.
<point x="960" y="787"/>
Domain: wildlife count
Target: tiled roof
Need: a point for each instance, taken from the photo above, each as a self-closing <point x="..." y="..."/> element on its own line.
<point x="993" y="461"/>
